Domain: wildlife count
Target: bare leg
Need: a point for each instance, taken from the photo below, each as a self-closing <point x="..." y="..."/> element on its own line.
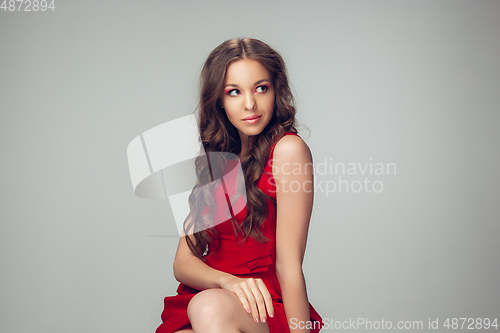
<point x="220" y="311"/>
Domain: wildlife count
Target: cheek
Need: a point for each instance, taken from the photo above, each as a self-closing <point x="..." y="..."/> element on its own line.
<point x="231" y="115"/>
<point x="229" y="105"/>
<point x="270" y="104"/>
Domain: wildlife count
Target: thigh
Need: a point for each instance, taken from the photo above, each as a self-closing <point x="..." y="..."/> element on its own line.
<point x="225" y="306"/>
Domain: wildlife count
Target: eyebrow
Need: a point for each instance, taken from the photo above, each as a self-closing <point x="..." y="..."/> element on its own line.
<point x="256" y="83"/>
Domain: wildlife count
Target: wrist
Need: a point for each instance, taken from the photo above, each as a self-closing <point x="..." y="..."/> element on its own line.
<point x="222" y="280"/>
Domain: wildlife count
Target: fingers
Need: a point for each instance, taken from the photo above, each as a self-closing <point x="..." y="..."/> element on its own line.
<point x="243" y="297"/>
<point x="251" y="300"/>
<point x="259" y="298"/>
<point x="267" y="297"/>
<point x="255" y="298"/>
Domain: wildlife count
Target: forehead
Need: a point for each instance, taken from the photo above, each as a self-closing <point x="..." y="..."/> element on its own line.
<point x="246" y="71"/>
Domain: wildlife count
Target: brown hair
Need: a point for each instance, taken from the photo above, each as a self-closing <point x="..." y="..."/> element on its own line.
<point x="218" y="134"/>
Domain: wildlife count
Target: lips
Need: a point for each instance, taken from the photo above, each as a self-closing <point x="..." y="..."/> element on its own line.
<point x="251" y="117"/>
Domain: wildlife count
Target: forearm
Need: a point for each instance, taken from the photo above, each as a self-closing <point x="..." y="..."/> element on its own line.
<point x="293" y="290"/>
<point x="194" y="273"/>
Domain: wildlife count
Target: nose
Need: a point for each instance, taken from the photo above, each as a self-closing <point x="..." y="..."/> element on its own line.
<point x="250" y="103"/>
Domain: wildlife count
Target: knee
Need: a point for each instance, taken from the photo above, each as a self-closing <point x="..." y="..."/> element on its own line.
<point x="210" y="304"/>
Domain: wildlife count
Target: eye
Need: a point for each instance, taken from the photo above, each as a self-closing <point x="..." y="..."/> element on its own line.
<point x="262" y="89"/>
<point x="232" y="92"/>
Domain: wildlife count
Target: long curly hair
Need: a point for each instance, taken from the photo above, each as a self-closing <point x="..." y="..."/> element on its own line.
<point x="218" y="134"/>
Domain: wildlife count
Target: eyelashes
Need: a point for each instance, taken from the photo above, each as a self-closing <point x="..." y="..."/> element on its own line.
<point x="232" y="92"/>
<point x="235" y="92"/>
<point x="264" y="86"/>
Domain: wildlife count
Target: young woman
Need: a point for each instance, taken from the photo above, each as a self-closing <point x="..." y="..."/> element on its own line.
<point x="245" y="274"/>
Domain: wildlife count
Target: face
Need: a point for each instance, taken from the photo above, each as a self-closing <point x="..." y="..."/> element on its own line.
<point x="248" y="97"/>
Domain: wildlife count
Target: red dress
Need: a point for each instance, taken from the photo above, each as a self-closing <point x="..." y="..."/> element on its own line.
<point x="250" y="259"/>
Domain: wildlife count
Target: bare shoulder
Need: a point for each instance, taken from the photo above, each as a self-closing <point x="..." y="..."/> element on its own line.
<point x="292" y="148"/>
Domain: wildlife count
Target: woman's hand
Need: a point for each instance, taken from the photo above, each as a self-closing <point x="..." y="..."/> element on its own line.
<point x="253" y="295"/>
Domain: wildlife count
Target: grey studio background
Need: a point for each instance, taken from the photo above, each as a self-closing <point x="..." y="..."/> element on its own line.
<point x="414" y="83"/>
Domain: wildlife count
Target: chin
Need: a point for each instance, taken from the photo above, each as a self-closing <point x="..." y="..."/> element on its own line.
<point x="252" y="131"/>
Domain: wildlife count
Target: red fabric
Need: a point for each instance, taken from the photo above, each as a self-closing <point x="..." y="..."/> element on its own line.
<point x="250" y="259"/>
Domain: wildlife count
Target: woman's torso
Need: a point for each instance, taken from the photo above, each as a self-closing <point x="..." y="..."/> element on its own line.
<point x="248" y="258"/>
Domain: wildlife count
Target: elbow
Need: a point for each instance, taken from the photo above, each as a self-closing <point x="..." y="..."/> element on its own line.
<point x="180" y="266"/>
<point x="177" y="270"/>
<point x="289" y="271"/>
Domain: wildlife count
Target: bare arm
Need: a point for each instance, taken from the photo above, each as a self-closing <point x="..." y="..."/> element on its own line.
<point x="293" y="174"/>
<point x="193" y="272"/>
